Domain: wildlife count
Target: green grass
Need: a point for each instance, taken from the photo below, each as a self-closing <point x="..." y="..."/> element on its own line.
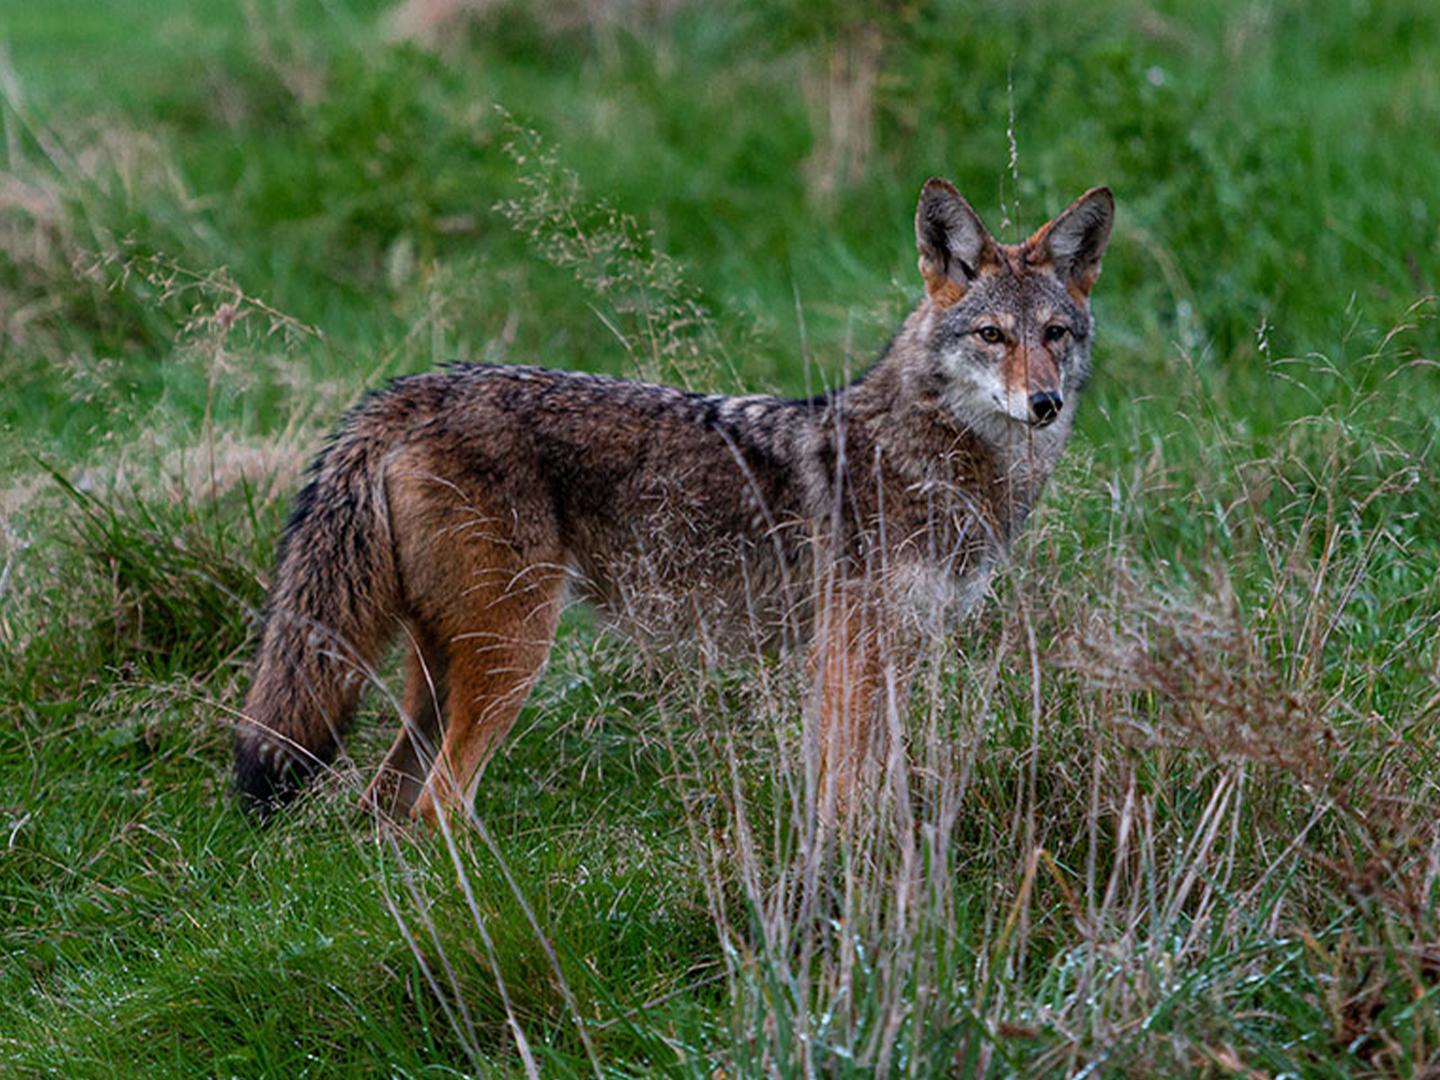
<point x="1210" y="849"/>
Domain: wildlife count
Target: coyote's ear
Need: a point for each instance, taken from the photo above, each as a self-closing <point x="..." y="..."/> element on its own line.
<point x="1074" y="242"/>
<point x="953" y="242"/>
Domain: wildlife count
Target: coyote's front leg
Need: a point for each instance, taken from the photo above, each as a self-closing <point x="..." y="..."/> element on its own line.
<point x="848" y="663"/>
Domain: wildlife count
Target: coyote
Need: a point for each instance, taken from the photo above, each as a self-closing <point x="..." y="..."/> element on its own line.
<point x="464" y="506"/>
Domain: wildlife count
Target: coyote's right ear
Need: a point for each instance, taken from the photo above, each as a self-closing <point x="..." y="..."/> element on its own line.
<point x="954" y="243"/>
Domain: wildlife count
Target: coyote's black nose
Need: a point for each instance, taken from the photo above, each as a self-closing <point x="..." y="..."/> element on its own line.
<point x="1045" y="407"/>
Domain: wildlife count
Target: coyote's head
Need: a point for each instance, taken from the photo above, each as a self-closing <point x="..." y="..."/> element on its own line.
<point x="1006" y="330"/>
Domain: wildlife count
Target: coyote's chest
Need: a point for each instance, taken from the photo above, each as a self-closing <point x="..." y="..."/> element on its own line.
<point x="939" y="550"/>
<point x="939" y="538"/>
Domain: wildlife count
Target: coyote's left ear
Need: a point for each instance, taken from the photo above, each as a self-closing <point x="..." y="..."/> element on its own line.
<point x="1075" y="240"/>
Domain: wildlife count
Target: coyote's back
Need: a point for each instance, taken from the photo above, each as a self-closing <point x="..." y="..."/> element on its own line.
<point x="464" y="506"/>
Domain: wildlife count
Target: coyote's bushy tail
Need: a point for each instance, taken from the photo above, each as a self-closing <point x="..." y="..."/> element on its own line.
<point x="332" y="606"/>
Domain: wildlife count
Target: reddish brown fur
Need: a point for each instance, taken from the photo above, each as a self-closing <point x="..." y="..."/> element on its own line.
<point x="943" y="291"/>
<point x="1031" y="370"/>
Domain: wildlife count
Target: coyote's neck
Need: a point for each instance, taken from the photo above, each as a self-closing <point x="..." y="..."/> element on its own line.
<point x="902" y="416"/>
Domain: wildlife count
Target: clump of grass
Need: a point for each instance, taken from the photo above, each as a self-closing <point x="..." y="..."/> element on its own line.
<point x="163" y="574"/>
<point x="159" y="587"/>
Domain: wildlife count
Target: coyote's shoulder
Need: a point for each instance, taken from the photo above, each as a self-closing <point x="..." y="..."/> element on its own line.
<point x="467" y="504"/>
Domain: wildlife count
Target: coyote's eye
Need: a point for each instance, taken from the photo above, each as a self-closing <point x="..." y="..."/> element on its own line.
<point x="1056" y="332"/>
<point x="991" y="335"/>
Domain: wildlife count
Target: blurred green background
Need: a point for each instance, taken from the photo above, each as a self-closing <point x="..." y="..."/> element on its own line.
<point x="1271" y="163"/>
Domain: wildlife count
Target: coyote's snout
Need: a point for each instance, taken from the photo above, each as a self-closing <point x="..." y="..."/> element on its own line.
<point x="466" y="506"/>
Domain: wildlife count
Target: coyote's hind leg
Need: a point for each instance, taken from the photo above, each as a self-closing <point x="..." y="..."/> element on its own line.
<point x="399" y="782"/>
<point x="491" y="668"/>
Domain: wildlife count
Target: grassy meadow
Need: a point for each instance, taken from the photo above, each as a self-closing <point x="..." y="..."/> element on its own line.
<point x="1168" y="803"/>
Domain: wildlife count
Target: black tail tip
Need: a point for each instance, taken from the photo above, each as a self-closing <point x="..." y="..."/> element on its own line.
<point x="268" y="776"/>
